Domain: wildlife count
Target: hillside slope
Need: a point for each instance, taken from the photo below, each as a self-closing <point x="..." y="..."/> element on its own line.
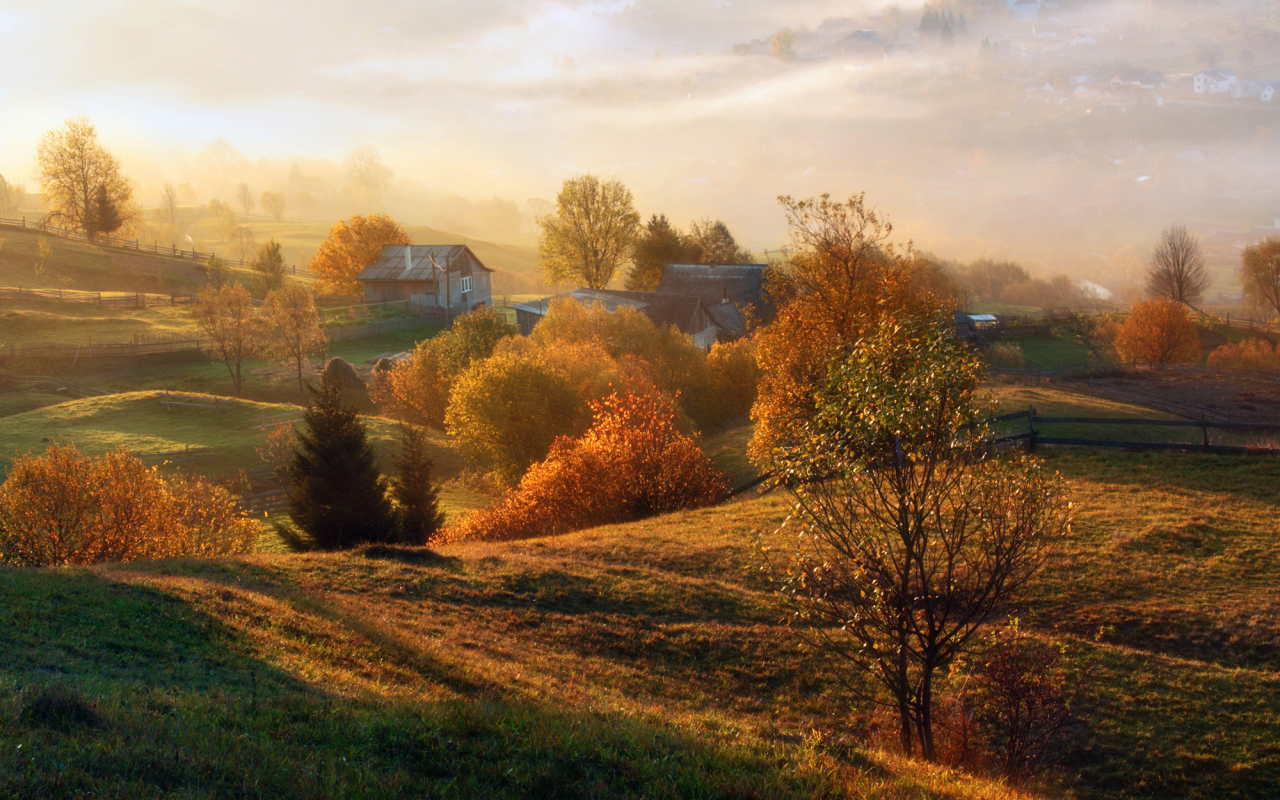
<point x="638" y="660"/>
<point x="87" y="267"/>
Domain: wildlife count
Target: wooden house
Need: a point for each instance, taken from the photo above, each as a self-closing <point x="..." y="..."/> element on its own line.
<point x="446" y="275"/>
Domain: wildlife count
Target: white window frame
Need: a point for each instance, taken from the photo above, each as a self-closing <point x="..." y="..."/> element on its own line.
<point x="466" y="283"/>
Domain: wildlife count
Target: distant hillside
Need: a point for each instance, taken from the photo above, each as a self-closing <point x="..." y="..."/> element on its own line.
<point x="300" y="240"/>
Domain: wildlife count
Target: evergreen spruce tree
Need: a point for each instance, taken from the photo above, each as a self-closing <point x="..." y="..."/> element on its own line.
<point x="339" y="497"/>
<point x="420" y="515"/>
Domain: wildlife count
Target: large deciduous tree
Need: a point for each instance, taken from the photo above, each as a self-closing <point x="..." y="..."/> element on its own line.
<point x="1260" y="273"/>
<point x="352" y="245"/>
<point x="1177" y="268"/>
<point x="367" y="174"/>
<point x="81" y="178"/>
<point x="592" y="233"/>
<point x="291" y="326"/>
<point x="230" y="324"/>
<point x="906" y="536"/>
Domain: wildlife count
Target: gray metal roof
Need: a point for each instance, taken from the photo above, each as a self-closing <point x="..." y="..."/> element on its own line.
<point x="413" y="262"/>
<point x="716" y="283"/>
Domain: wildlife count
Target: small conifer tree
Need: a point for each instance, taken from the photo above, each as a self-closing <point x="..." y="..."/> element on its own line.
<point x="420" y="516"/>
<point x="339" y="497"/>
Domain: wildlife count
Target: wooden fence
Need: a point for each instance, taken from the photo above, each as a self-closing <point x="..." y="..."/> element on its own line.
<point x="1033" y="437"/>
<point x="104" y="299"/>
<point x="216" y="404"/>
<point x="141" y="345"/>
<point x="171" y="251"/>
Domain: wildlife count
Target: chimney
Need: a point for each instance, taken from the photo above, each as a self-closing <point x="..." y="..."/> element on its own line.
<point x="408" y="262"/>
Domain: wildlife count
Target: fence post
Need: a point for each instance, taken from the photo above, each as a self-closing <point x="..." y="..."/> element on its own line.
<point x="1204" y="430"/>
<point x="1031" y="428"/>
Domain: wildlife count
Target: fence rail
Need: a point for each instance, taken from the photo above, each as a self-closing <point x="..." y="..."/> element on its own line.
<point x="1034" y="437"/>
<point x="104" y="299"/>
<point x="172" y="251"/>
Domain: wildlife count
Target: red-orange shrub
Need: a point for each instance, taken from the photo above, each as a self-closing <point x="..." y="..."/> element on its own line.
<point x="632" y="463"/>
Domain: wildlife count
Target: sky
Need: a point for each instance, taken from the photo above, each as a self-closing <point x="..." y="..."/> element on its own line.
<point x="478" y="98"/>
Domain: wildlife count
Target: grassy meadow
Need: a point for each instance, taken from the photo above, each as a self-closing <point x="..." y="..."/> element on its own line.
<point x="641" y="660"/>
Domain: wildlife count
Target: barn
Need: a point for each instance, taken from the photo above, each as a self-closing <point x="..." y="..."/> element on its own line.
<point x="446" y="275"/>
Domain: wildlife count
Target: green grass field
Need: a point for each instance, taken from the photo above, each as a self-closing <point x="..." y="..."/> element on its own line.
<point x="638" y="660"/>
<point x="39" y="322"/>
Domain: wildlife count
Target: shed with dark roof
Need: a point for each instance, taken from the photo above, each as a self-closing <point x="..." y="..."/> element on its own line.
<point x="741" y="285"/>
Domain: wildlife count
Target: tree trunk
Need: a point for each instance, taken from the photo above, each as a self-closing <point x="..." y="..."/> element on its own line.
<point x="925" y="714"/>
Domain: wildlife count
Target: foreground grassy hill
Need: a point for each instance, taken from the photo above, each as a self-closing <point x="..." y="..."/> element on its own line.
<point x="640" y="660"/>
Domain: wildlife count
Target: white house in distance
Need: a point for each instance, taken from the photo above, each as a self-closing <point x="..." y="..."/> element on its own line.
<point x="1213" y="81"/>
<point x="447" y="275"/>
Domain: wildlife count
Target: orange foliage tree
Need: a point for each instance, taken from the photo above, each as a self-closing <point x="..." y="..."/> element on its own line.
<point x="1158" y="331"/>
<point x="353" y="244"/>
<point x="417" y="390"/>
<point x="843" y="278"/>
<point x="66" y="508"/>
<point x="631" y="464"/>
<point x="1256" y="354"/>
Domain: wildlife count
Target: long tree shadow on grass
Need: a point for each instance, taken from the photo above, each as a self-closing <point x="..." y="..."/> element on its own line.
<point x="178" y="706"/>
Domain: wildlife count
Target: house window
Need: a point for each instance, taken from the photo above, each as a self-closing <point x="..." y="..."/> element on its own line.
<point x="466" y="284"/>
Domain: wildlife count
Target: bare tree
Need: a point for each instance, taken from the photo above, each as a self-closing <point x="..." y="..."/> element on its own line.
<point x="367" y="174"/>
<point x="169" y="203"/>
<point x="222" y="159"/>
<point x="292" y="324"/>
<point x="245" y="195"/>
<point x="241" y="242"/>
<point x="11" y="197"/>
<point x="228" y="319"/>
<point x="1177" y="267"/>
<point x="273" y="203"/>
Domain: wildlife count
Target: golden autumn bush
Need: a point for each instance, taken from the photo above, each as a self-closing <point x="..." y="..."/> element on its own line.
<point x="1256" y="354"/>
<point x="66" y="508"/>
<point x="631" y="464"/>
<point x="1158" y="331"/>
<point x="418" y="389"/>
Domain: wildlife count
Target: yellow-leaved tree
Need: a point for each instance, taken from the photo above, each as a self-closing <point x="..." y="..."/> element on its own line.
<point x="1158" y="331"/>
<point x="591" y="234"/>
<point x="352" y="245"/>
<point x="82" y="182"/>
